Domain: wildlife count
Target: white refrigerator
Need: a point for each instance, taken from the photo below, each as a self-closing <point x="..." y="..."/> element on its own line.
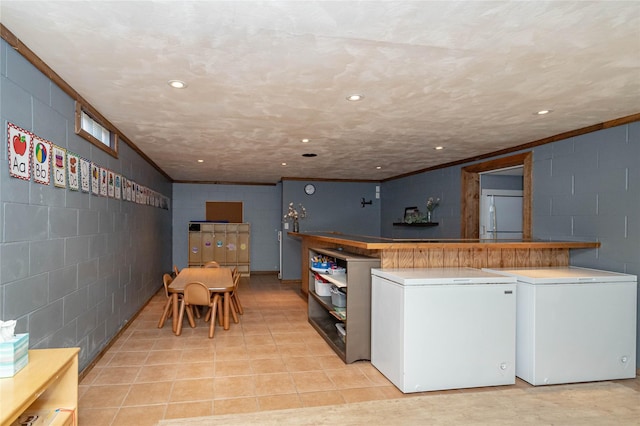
<point x="443" y="328"/>
<point x="501" y="214"/>
<point x="574" y="324"/>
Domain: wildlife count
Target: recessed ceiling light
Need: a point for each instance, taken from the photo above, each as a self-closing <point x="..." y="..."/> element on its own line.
<point x="543" y="112"/>
<point x="305" y="140"/>
<point x="310" y="155"/>
<point x="177" y="84"/>
<point x="438" y="148"/>
<point x="378" y="167"/>
<point x="355" y="97"/>
<point x="200" y="161"/>
<point x="284" y="164"/>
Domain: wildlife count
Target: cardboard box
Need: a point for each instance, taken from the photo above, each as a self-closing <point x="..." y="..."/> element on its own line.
<point x="14" y="355"/>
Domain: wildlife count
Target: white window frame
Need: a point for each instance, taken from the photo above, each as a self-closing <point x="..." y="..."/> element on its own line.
<point x="93" y="128"/>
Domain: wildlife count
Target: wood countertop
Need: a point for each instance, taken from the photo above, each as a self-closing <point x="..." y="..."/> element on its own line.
<point x="379" y="243"/>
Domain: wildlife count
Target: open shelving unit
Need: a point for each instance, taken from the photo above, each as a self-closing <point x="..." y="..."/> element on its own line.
<point x="322" y="314"/>
<point x="49" y="382"/>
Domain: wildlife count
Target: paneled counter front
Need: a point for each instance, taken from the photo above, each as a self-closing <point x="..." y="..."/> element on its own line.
<point x="424" y="253"/>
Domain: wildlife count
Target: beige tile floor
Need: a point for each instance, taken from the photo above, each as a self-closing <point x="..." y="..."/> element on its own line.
<point x="272" y="359"/>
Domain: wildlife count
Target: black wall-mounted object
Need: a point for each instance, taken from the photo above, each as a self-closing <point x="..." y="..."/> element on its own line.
<point x="363" y="202"/>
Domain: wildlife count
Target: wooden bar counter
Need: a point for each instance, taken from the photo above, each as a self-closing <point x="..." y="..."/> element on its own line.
<point x="424" y="253"/>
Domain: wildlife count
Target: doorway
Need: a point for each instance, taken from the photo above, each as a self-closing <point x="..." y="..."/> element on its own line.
<point x="471" y="191"/>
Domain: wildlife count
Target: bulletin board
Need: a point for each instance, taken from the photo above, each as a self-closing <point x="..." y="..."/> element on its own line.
<point x="224" y="211"/>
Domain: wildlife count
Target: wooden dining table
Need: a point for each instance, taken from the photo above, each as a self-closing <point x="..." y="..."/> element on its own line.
<point x="217" y="279"/>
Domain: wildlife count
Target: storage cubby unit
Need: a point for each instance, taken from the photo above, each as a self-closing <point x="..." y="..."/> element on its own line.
<point x="357" y="322"/>
<point x="48" y="385"/>
<point x="226" y="243"/>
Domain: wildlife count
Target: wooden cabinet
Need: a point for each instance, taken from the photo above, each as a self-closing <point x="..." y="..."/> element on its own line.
<point x="357" y="313"/>
<point x="226" y="243"/>
<point x="48" y="382"/>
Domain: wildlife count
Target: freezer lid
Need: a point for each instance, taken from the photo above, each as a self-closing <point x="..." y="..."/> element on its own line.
<point x="441" y="276"/>
<point x="562" y="275"/>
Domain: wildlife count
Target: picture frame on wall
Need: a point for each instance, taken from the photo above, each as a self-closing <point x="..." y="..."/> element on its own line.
<point x="111" y="184"/>
<point x="85" y="175"/>
<point x="59" y="172"/>
<point x="73" y="171"/>
<point x="42" y="160"/>
<point x="19" y="144"/>
<point x="118" y="186"/>
<point x="410" y="213"/>
<point x="95" y="179"/>
<point x="103" y="182"/>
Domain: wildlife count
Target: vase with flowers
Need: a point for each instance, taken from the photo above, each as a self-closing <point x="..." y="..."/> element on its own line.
<point x="431" y="206"/>
<point x="295" y="215"/>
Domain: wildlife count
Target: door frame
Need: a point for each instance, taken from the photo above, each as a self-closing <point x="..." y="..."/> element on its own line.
<point x="470" y="193"/>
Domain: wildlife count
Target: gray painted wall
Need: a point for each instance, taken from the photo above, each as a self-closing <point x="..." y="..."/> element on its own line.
<point x="335" y="206"/>
<point x="261" y="206"/>
<point x="415" y="190"/>
<point x="74" y="268"/>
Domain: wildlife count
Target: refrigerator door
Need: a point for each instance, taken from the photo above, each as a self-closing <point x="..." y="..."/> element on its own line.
<point x="501" y="214"/>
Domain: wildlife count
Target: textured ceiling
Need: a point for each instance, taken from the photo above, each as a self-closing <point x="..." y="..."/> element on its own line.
<point x="261" y="76"/>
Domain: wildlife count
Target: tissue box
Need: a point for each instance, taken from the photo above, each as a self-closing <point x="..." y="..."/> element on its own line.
<point x="14" y="355"/>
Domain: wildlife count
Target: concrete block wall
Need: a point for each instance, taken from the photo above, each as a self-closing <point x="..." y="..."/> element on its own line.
<point x="74" y="268"/>
<point x="415" y="190"/>
<point x="588" y="188"/>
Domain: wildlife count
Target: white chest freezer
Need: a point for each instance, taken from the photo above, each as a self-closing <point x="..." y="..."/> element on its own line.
<point x="574" y="324"/>
<point x="443" y="328"/>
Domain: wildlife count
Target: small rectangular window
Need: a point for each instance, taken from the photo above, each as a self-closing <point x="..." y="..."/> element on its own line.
<point x="92" y="129"/>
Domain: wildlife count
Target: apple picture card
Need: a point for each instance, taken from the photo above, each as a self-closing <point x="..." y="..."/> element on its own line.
<point x="19" y="143"/>
<point x="73" y="171"/>
<point x="59" y="174"/>
<point x="95" y="179"/>
<point x="85" y="175"/>
<point x="103" y="182"/>
<point x="41" y="160"/>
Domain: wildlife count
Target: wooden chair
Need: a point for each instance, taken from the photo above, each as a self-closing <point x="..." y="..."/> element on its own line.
<point x="211" y="264"/>
<point x="176" y="271"/>
<point x="197" y="294"/>
<point x="235" y="301"/>
<point x="168" y="311"/>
